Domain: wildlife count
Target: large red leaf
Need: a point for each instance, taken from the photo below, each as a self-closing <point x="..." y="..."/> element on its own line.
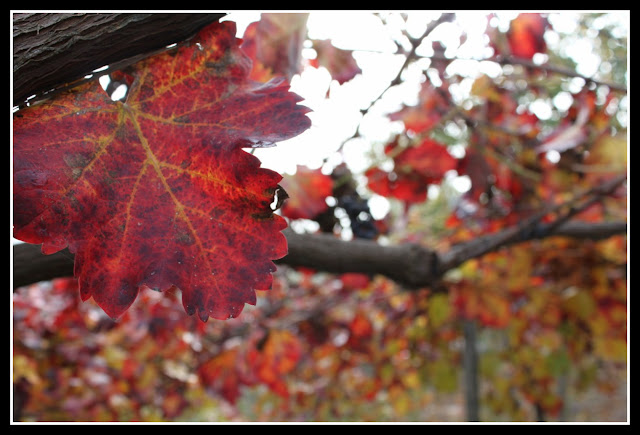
<point x="157" y="192"/>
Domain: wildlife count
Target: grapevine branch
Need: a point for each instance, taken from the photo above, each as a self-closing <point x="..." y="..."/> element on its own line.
<point x="534" y="228"/>
<point x="415" y="43"/>
<point x="409" y="264"/>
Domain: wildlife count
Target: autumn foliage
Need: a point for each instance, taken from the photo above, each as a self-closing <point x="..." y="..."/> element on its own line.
<point x="106" y="178"/>
<point x="160" y="192"/>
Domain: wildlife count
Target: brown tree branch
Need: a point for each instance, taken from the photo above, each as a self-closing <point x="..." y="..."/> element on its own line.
<point x="53" y="49"/>
<point x="531" y="228"/>
<point x="411" y="265"/>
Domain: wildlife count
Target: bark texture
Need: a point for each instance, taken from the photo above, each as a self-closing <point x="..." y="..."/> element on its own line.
<point x="52" y="49"/>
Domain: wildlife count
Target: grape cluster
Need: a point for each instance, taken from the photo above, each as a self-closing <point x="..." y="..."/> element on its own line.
<point x="362" y="223"/>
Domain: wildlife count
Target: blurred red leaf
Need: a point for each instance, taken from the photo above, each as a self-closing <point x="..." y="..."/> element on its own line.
<point x="415" y="168"/>
<point x="526" y="35"/>
<point x="508" y="181"/>
<point x="275" y="45"/>
<point x="277" y="356"/>
<point x="173" y="404"/>
<point x="360" y="333"/>
<point x="340" y="63"/>
<point x="354" y="281"/>
<point x="157" y="192"/>
<point x="221" y="373"/>
<point x="426" y="114"/>
<point x="408" y="188"/>
<point x="430" y="159"/>
<point x="360" y="326"/>
<point x="307" y="190"/>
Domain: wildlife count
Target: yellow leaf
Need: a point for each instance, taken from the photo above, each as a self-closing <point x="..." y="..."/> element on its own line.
<point x="25" y="368"/>
<point x="114" y="357"/>
<point x="439" y="309"/>
<point x="579" y="303"/>
<point x="611" y="349"/>
<point x="609" y="154"/>
<point x="483" y="87"/>
<point x="399" y="400"/>
<point x="411" y="379"/>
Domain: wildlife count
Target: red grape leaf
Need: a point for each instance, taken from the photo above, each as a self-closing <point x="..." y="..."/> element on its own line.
<point x="156" y="192"/>
<point x="221" y="374"/>
<point x="409" y="188"/>
<point x="354" y="281"/>
<point x="430" y="159"/>
<point x="360" y="326"/>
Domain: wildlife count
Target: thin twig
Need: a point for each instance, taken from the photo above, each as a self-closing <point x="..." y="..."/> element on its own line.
<point x="415" y="43"/>
<point x="529" y="228"/>
<point x="510" y="60"/>
<point x="555" y="69"/>
<point x="411" y="55"/>
<point x="592" y="196"/>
